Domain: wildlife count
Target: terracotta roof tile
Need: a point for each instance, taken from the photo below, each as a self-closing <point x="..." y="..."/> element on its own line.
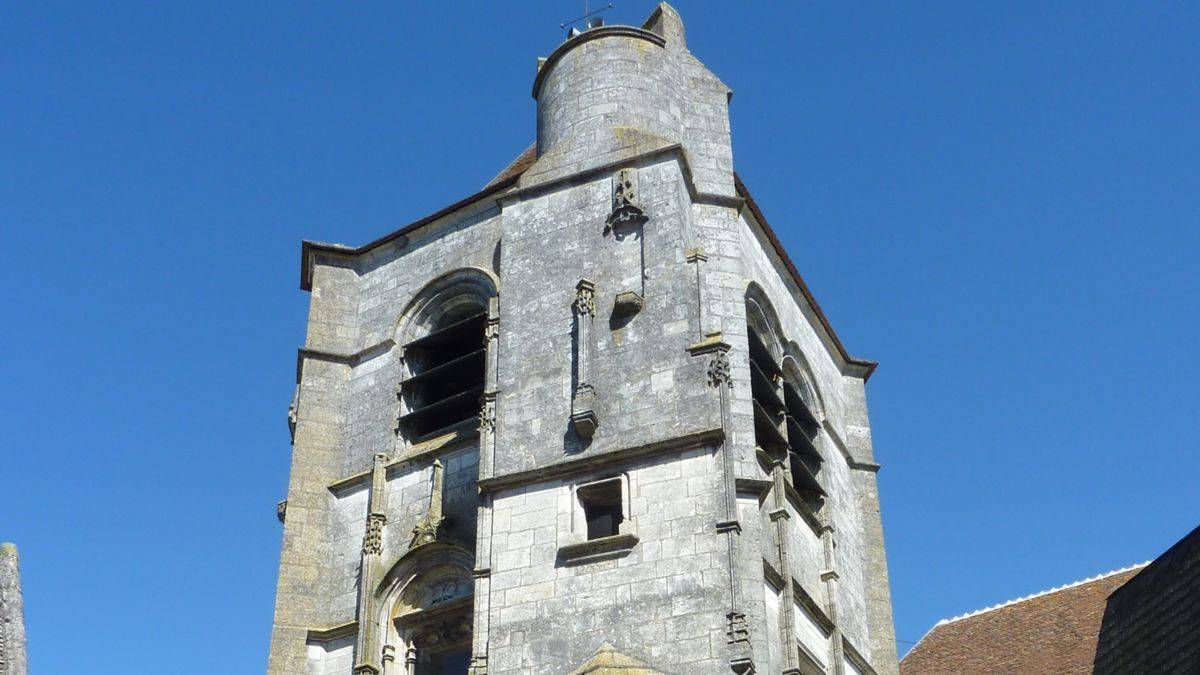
<point x="1050" y="632"/>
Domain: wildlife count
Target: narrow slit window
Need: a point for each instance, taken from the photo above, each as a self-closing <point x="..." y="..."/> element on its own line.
<point x="602" y="510"/>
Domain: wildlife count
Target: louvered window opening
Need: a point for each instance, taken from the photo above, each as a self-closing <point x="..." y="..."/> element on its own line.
<point x="445" y="386"/>
<point x="784" y="426"/>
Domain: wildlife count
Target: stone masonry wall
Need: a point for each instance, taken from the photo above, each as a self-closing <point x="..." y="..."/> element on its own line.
<point x="681" y="443"/>
<point x="662" y="603"/>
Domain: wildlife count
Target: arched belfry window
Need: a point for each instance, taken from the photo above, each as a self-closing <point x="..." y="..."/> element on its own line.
<point x="786" y="413"/>
<point x="802" y="413"/>
<point x="445" y="355"/>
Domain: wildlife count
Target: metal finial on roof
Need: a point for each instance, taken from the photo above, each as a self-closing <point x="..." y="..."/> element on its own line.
<point x="588" y="24"/>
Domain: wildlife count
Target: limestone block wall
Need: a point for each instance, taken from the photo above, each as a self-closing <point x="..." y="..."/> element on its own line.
<point x="648" y="388"/>
<point x="661" y="603"/>
<point x="862" y="599"/>
<point x="13" y="658"/>
<point x="684" y="585"/>
<point x="598" y="90"/>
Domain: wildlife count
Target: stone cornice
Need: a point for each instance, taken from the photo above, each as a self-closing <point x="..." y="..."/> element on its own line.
<point x="857" y="367"/>
<point x="581" y="465"/>
<point x="415" y="454"/>
<point x="333" y="632"/>
<point x="588" y="36"/>
<point x="351" y="359"/>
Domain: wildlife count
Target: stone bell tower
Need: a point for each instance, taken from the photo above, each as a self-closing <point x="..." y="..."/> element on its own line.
<point x="587" y="419"/>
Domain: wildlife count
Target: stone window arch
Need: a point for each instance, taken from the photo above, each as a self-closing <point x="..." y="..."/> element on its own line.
<point x="805" y="412"/>
<point x="446" y="337"/>
<point x="764" y="356"/>
<point x="429" y="603"/>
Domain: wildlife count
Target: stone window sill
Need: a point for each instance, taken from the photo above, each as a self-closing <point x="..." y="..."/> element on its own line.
<point x="604" y="548"/>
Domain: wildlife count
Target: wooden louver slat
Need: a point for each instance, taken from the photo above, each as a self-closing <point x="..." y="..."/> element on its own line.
<point x="766" y="431"/>
<point x="462" y="328"/>
<point x="455" y="366"/>
<point x="762" y="389"/>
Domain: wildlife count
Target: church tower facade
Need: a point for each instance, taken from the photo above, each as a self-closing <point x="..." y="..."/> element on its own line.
<point x="588" y="419"/>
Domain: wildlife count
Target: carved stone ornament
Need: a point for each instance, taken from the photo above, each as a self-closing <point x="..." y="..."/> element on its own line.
<point x="742" y="655"/>
<point x="293" y="414"/>
<point x="737" y="629"/>
<point x="443" y="633"/>
<point x="625" y="209"/>
<point x="487" y="416"/>
<point x="373" y="538"/>
<point x="583" y="411"/>
<point x="585" y="298"/>
<point x="627" y="303"/>
<point x="426" y="532"/>
<point x="429" y="529"/>
<point x="718" y="370"/>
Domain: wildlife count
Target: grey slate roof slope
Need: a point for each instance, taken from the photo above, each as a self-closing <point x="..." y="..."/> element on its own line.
<point x="1152" y="623"/>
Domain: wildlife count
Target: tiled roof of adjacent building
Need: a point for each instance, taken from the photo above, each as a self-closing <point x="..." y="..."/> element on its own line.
<point x="1054" y="631"/>
<point x="1152" y="623"/>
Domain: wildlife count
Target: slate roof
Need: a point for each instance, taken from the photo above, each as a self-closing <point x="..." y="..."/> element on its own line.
<point x="516" y="167"/>
<point x="1054" y="631"/>
<point x="1152" y="623"/>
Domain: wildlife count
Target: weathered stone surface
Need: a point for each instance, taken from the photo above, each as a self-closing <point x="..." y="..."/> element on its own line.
<point x="13" y="658"/>
<point x="616" y="271"/>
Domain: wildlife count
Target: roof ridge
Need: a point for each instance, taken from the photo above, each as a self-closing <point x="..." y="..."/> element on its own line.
<point x="1039" y="594"/>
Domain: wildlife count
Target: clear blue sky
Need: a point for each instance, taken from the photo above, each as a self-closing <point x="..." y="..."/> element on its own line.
<point x="999" y="202"/>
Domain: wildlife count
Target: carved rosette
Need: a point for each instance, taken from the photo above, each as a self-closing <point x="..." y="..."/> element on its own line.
<point x="718" y="370"/>
<point x="373" y="538"/>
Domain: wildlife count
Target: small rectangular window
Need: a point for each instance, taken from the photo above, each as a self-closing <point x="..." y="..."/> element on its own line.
<point x="602" y="511"/>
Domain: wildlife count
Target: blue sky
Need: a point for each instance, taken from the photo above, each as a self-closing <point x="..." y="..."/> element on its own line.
<point x="999" y="202"/>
